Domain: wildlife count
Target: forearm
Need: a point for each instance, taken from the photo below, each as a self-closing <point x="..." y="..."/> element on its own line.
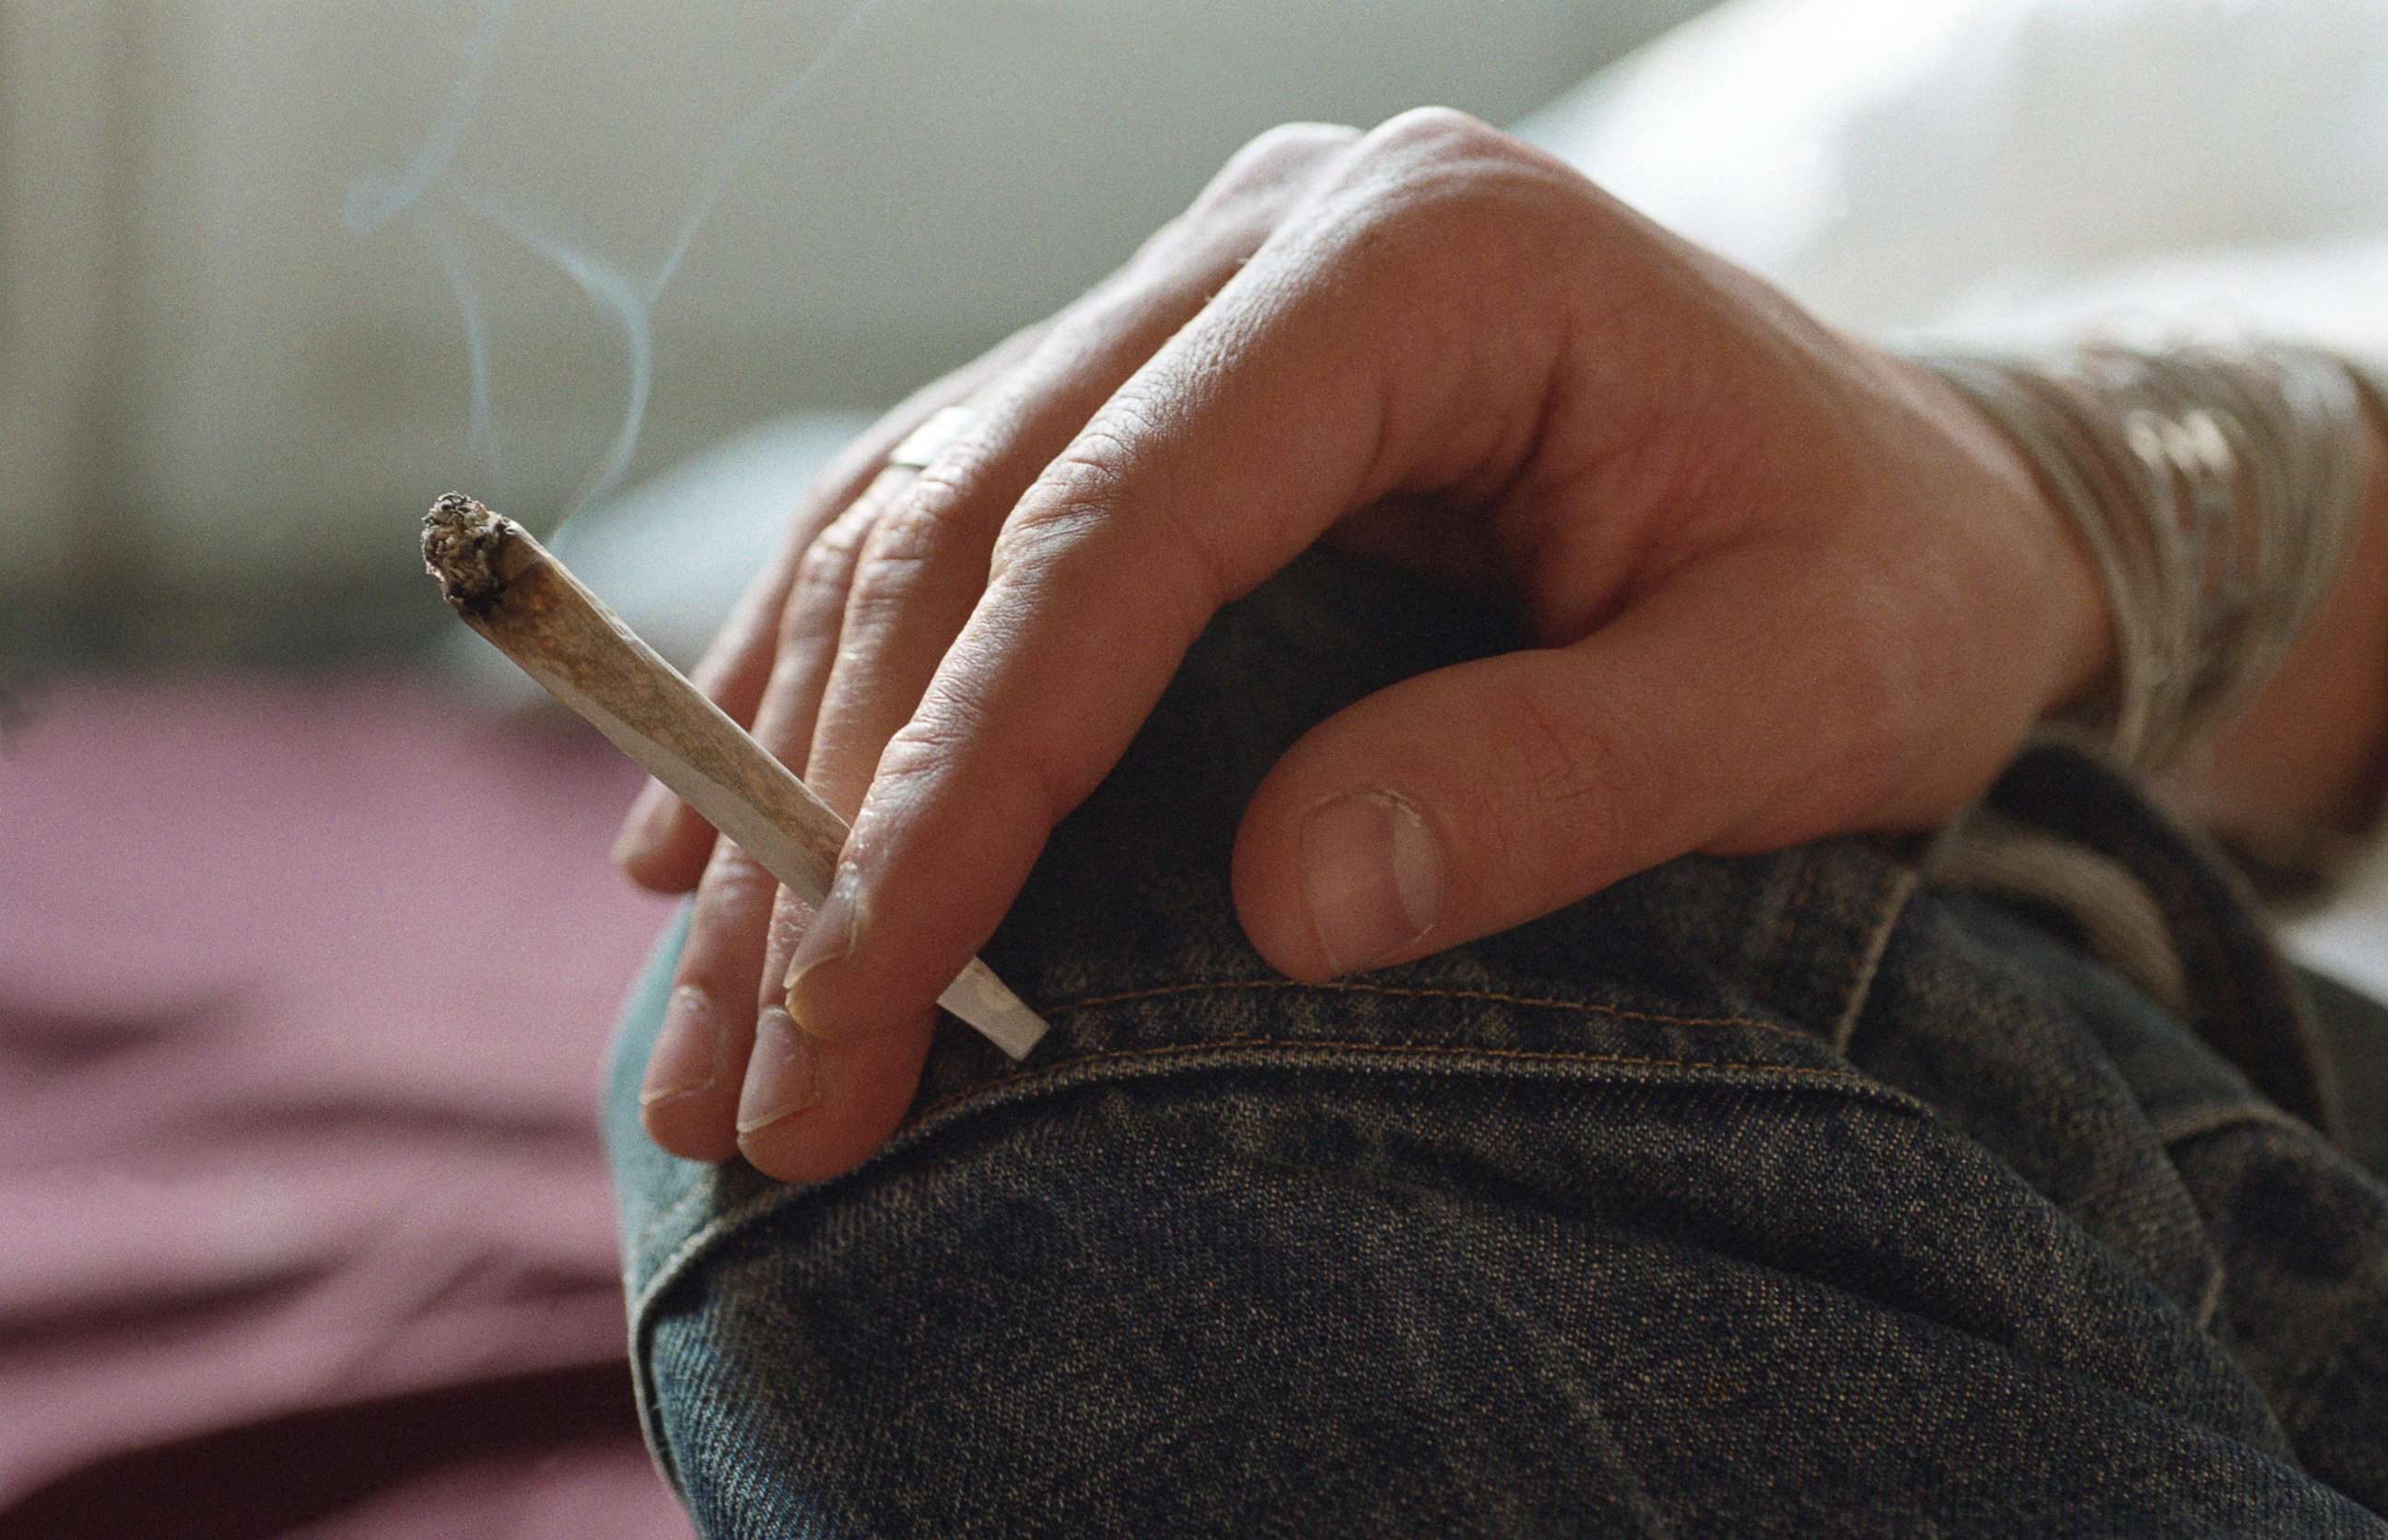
<point x="2308" y="748"/>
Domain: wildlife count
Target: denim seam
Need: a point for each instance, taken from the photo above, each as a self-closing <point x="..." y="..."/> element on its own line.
<point x="2289" y="1411"/>
<point x="2197" y="889"/>
<point x="1410" y="991"/>
<point x="1088" y="1068"/>
<point x="2203" y="1123"/>
<point x="705" y="1182"/>
<point x="1797" y="902"/>
<point x="1889" y="911"/>
<point x="2209" y="1298"/>
<point x="1893" y="889"/>
<point x="642" y="1396"/>
<point x="1848" y="1079"/>
<point x="2209" y="1119"/>
<point x="1059" y="1074"/>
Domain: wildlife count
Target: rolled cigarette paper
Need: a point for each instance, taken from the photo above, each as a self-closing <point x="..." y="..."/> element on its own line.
<point x="506" y="586"/>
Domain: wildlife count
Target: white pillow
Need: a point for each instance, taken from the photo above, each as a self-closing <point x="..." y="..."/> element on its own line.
<point x="1888" y="161"/>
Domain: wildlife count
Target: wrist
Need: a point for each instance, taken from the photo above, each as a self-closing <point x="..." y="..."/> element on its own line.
<point x="2307" y="750"/>
<point x="2056" y="583"/>
<point x="2219" y="491"/>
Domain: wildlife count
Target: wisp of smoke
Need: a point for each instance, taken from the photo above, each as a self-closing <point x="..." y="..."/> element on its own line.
<point x="428" y="194"/>
<point x="378" y="196"/>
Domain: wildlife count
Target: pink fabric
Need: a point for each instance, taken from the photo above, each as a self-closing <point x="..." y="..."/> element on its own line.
<point x="304" y="990"/>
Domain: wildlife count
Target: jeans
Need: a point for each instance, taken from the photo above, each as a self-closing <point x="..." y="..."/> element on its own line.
<point x="1795" y="1194"/>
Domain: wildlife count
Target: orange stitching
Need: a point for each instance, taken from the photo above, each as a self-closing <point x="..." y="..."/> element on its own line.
<point x="1401" y="991"/>
<point x="1543" y="1055"/>
<point x="1891" y="899"/>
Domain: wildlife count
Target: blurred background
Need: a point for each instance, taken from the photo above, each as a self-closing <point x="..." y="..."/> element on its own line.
<point x="308" y="947"/>
<point x="226" y="407"/>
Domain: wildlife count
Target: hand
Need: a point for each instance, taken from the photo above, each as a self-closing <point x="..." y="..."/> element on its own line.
<point x="1784" y="586"/>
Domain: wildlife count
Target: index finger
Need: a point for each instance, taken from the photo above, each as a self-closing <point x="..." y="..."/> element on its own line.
<point x="1247" y="436"/>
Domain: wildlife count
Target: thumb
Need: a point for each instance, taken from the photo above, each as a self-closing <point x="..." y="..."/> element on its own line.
<point x="1479" y="796"/>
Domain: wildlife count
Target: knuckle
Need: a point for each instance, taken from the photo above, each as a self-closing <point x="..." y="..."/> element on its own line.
<point x="1434" y="167"/>
<point x="1437" y="135"/>
<point x="734" y="902"/>
<point x="823" y="570"/>
<point x="1058" y="528"/>
<point x="824" y="578"/>
<point x="828" y="562"/>
<point x="1036" y="540"/>
<point x="1431" y="189"/>
<point x="923" y="748"/>
<point x="1252" y="193"/>
<point x="1023" y="773"/>
<point x="941" y="502"/>
<point x="919" y="760"/>
<point x="1281" y="155"/>
<point x="732" y="876"/>
<point x="1072" y="497"/>
<point x="909" y="535"/>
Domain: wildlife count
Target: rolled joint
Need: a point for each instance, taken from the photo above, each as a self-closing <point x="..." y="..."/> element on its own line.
<point x="460" y="543"/>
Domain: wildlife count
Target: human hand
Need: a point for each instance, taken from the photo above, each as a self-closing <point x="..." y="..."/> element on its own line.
<point x="1784" y="586"/>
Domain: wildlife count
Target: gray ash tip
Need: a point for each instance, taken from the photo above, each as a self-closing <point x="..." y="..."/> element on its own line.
<point x="461" y="541"/>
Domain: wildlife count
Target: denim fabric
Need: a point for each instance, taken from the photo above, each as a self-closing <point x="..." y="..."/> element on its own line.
<point x="1785" y="1194"/>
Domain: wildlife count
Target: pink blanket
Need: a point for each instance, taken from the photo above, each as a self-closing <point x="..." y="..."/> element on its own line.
<point x="304" y="988"/>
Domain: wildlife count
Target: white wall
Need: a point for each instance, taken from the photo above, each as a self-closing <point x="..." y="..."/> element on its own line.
<point x="217" y="395"/>
<point x="58" y="285"/>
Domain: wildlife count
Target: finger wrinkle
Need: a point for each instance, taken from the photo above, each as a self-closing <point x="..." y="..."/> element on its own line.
<point x="733" y="875"/>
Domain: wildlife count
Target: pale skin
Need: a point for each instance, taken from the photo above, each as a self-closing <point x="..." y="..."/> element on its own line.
<point x="1782" y="585"/>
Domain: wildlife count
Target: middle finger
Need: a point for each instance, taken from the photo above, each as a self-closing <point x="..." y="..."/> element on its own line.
<point x="689" y="1099"/>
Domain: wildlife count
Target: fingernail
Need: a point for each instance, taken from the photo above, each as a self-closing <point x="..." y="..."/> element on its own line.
<point x="784" y="1076"/>
<point x="642" y="826"/>
<point x="1373" y="873"/>
<point x="687" y="1055"/>
<point x="831" y="935"/>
